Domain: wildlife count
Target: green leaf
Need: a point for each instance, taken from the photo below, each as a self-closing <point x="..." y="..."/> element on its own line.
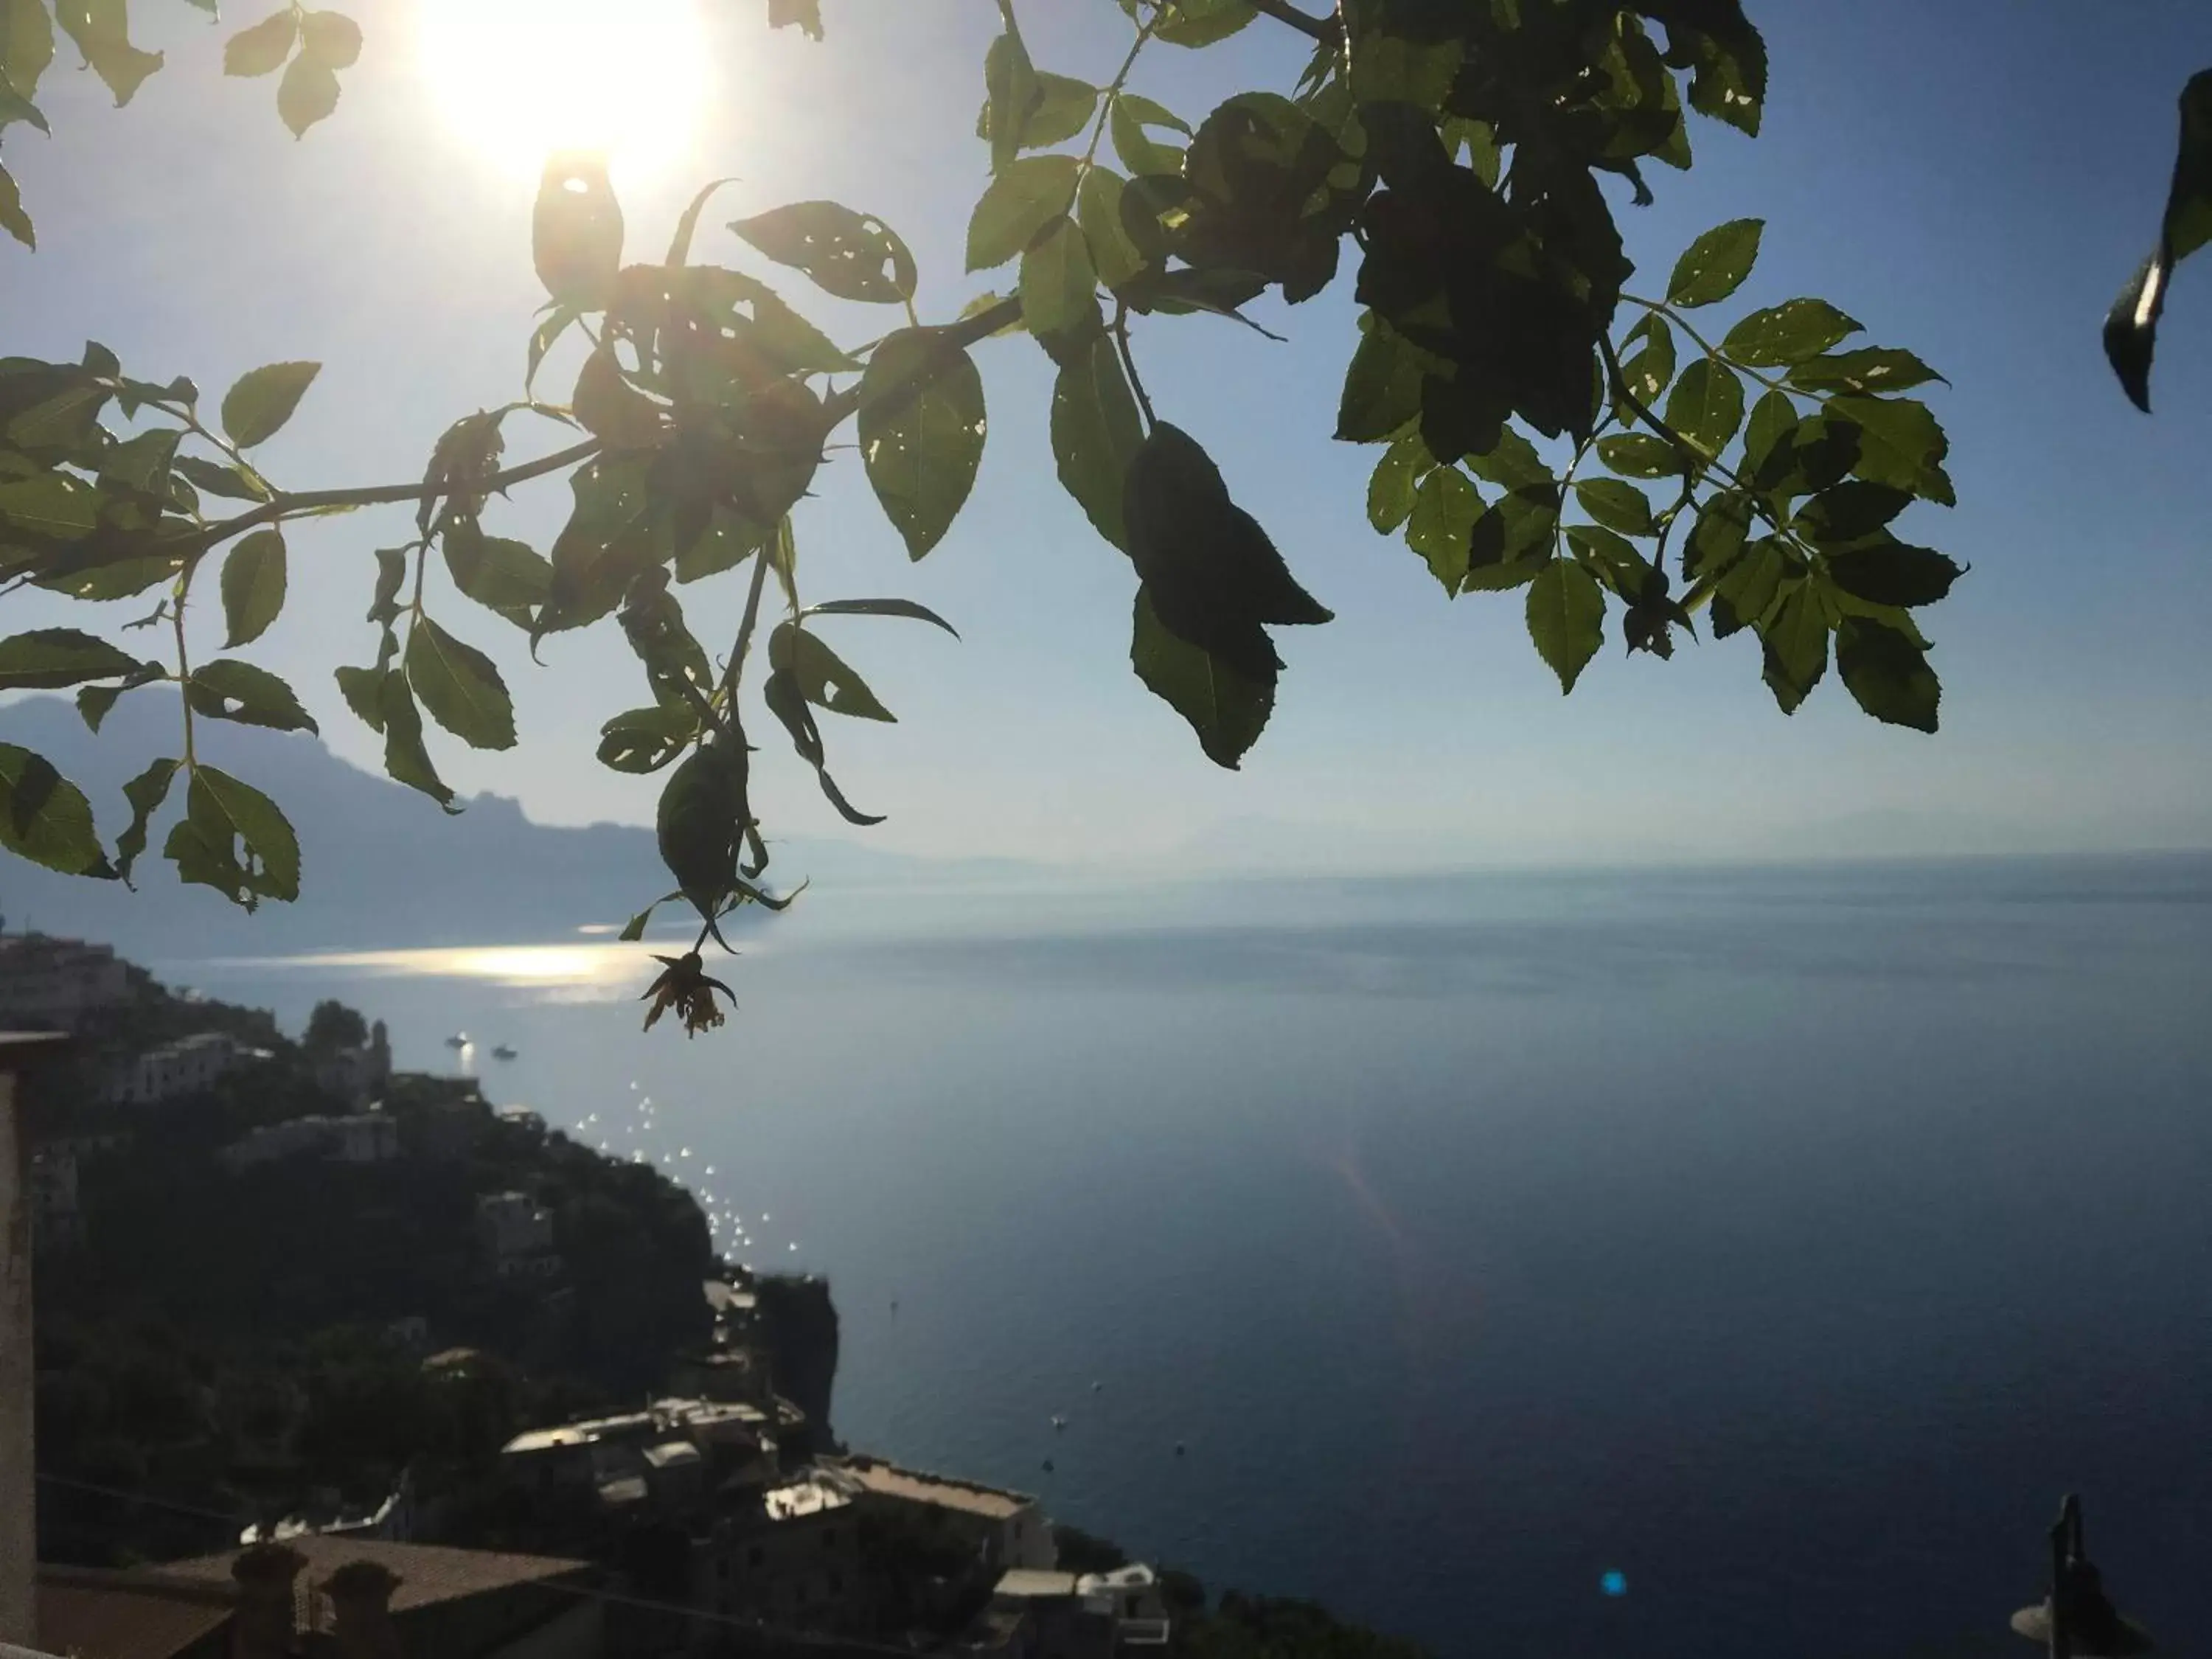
<point x="921" y="430"/>
<point x="1791" y="333"/>
<point x="233" y="839"/>
<point x="58" y="505"/>
<point x="1706" y="406"/>
<point x="1892" y="573"/>
<point x="14" y="106"/>
<point x="1227" y="709"/>
<point x="13" y="219"/>
<point x="1747" y="592"/>
<point x="1715" y="265"/>
<point x="1383" y="387"/>
<point x="26" y="43"/>
<point x="2131" y="326"/>
<point x="1717" y="538"/>
<point x="330" y="38"/>
<point x="1441" y="528"/>
<point x="141" y="464"/>
<point x="1900" y="444"/>
<point x="215" y="478"/>
<point x="1202" y="22"/>
<point x="1796" y="636"/>
<point x="1098" y="210"/>
<point x="1512" y="463"/>
<point x="852" y="256"/>
<point x="1023" y="199"/>
<point x="391" y="577"/>
<point x="262" y="49"/>
<point x="255" y="408"/>
<point x="363" y="690"/>
<point x="1639" y="455"/>
<point x="48" y="659"/>
<point x="1043" y="109"/>
<point x="609" y="407"/>
<point x="1617" y="506"/>
<point x="904" y="608"/>
<point x="1391" y="488"/>
<point x="1143" y="155"/>
<point x="576" y="232"/>
<point x="405" y="759"/>
<point x="307" y="95"/>
<point x="1010" y="83"/>
<point x="253" y="586"/>
<point x="1887" y="674"/>
<point x="1846" y="511"/>
<point x="94" y="702"/>
<point x="640" y="740"/>
<point x="1612" y="558"/>
<point x="1566" y="618"/>
<point x="44" y="818"/>
<point x="101" y="30"/>
<point x="1059" y="284"/>
<point x="822" y="677"/>
<point x="145" y="793"/>
<point x="1773" y="421"/>
<point x="507" y="576"/>
<point x="1871" y="369"/>
<point x="1650" y="371"/>
<point x="807" y="15"/>
<point x="229" y="690"/>
<point x="460" y="687"/>
<point x="1095" y="433"/>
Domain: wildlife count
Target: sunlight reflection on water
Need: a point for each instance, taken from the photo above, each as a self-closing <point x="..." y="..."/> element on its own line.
<point x="558" y="972"/>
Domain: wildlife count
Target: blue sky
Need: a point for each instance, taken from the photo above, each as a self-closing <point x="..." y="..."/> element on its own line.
<point x="1973" y="179"/>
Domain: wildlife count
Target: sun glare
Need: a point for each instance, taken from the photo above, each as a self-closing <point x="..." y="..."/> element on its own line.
<point x="521" y="79"/>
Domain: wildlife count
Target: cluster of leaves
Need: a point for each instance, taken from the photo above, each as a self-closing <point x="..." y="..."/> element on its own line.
<point x="1458" y="149"/>
<point x="310" y="46"/>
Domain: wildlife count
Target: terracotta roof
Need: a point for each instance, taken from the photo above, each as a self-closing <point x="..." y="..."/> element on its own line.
<point x="428" y="1573"/>
<point x="126" y="1615"/>
<point x="889" y="1481"/>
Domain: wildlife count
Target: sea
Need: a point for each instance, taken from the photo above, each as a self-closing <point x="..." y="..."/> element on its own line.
<point x="1649" y="1264"/>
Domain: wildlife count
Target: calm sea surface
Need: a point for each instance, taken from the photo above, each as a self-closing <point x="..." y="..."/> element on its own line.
<point x="1784" y="1242"/>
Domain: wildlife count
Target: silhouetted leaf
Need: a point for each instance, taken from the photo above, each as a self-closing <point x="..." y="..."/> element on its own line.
<point x="229" y="690"/>
<point x="1892" y="573"/>
<point x="253" y="576"/>
<point x="1713" y="266"/>
<point x="13" y="219"/>
<point x="101" y="31"/>
<point x="1791" y="333"/>
<point x="1397" y="477"/>
<point x="1566" y="618"/>
<point x="1887" y="674"/>
<point x="1022" y="197"/>
<point x="1900" y="444"/>
<point x="217" y="479"/>
<point x="1095" y="433"/>
<point x="58" y="505"/>
<point x="1794" y="636"/>
<point x="94" y="702"/>
<point x="1617" y="506"/>
<point x="262" y="49"/>
<point x="307" y="95"/>
<point x="1201" y="23"/>
<point x="921" y="430"/>
<point x="1228" y="710"/>
<point x="1383" y="387"/>
<point x="233" y="839"/>
<point x="822" y="677"/>
<point x="145" y="793"/>
<point x="460" y="687"/>
<point x="510" y="577"/>
<point x="258" y="403"/>
<point x="611" y="407"/>
<point x="1706" y="406"/>
<point x="1842" y="513"/>
<point x="641" y="740"/>
<point x="44" y="818"/>
<point x="2131" y="326"/>
<point x="854" y="256"/>
<point x="48" y="659"/>
<point x="1059" y="284"/>
<point x="576" y="232"/>
<point x="805" y="15"/>
<point x="904" y="608"/>
<point x="1869" y="369"/>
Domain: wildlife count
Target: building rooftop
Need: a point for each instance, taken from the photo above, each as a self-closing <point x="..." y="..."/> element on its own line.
<point x="97" y="1615"/>
<point x="671" y="1454"/>
<point x="1035" y="1584"/>
<point x="816" y="1492"/>
<point x="890" y="1480"/>
<point x="428" y="1573"/>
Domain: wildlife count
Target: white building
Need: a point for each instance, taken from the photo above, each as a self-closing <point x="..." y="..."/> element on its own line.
<point x="358" y="1076"/>
<point x="999" y="1530"/>
<point x="366" y="1138"/>
<point x="54" y="983"/>
<point x="516" y="1234"/>
<point x="183" y="1068"/>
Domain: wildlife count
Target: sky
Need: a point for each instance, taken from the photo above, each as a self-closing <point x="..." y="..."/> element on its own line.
<point x="1973" y="180"/>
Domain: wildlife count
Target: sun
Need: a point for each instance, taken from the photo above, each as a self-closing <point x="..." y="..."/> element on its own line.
<point x="521" y="79"/>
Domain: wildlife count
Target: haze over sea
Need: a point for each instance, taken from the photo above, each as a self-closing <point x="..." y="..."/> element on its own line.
<point x="1786" y="1241"/>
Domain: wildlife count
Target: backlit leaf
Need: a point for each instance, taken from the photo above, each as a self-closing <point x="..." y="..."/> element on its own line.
<point x="822" y="676"/>
<point x="44" y="818"/>
<point x="1442" y="527"/>
<point x="101" y="31"/>
<point x="1226" y="708"/>
<point x="1706" y="406"/>
<point x="258" y="403"/>
<point x="1887" y="674"/>
<point x="921" y="430"/>
<point x="1022" y="197"/>
<point x="460" y="687"/>
<point x="1566" y="618"/>
<point x="1791" y="333"/>
<point x="1892" y="573"/>
<point x="48" y="659"/>
<point x="308" y="94"/>
<point x="1900" y="444"/>
<point x="233" y="839"/>
<point x="254" y="578"/>
<point x="229" y="690"/>
<point x="853" y="256"/>
<point x="1617" y="506"/>
<point x="1059" y="284"/>
<point x="145" y="793"/>
<point x="262" y="49"/>
<point x="1095" y="433"/>
<point x="1869" y="369"/>
<point x="1715" y="265"/>
<point x="1392" y="486"/>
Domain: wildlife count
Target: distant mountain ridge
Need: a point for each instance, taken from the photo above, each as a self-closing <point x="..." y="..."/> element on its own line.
<point x="380" y="866"/>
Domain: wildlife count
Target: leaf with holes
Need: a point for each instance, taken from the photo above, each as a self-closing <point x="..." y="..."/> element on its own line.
<point x="44" y="818"/>
<point x="1715" y="265"/>
<point x="921" y="430"/>
<point x="853" y="256"/>
<point x="460" y="687"/>
<point x="229" y="690"/>
<point x="1441" y="527"/>
<point x="1794" y="331"/>
<point x="639" y="740"/>
<point x="1706" y="406"/>
<point x="253" y="579"/>
<point x="820" y="675"/>
<point x="145" y="793"/>
<point x="233" y="839"/>
<point x="1617" y="506"/>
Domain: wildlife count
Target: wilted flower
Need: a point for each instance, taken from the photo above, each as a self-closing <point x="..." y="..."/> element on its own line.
<point x="685" y="988"/>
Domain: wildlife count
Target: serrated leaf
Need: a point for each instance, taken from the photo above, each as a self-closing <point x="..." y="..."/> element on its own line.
<point x="1617" y="506"/>
<point x="1441" y="527"/>
<point x="1143" y="155"/>
<point x="261" y="400"/>
<point x="44" y="818"/>
<point x="48" y="659"/>
<point x="1715" y="265"/>
<point x="58" y="505"/>
<point x="461" y="686"/>
<point x="1887" y="674"/>
<point x="1900" y="444"/>
<point x="307" y="95"/>
<point x="145" y="793"/>
<point x="1871" y="369"/>
<point x="1639" y="455"/>
<point x="1791" y="333"/>
<point x="643" y="740"/>
<point x="1225" y="707"/>
<point x="263" y="48"/>
<point x="1706" y="406"/>
<point x="1023" y="199"/>
<point x="229" y="690"/>
<point x="1098" y="210"/>
<point x="1392" y="487"/>
<point x="853" y="256"/>
<point x="921" y="431"/>
<point x="405" y="758"/>
<point x="1382" y="385"/>
<point x="822" y="677"/>
<point x="234" y="838"/>
<point x="1843" y="513"/>
<point x="253" y="581"/>
<point x="1566" y="618"/>
<point x="502" y="574"/>
<point x="1892" y="573"/>
<point x="330" y="38"/>
<point x="1095" y="433"/>
<point x="101" y="30"/>
<point x="1794" y="636"/>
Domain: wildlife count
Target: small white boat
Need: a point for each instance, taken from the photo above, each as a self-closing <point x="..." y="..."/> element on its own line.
<point x="458" y="1039"/>
<point x="502" y="1052"/>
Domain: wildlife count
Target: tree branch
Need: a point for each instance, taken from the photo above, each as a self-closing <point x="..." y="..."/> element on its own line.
<point x="1320" y="28"/>
<point x="951" y="338"/>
